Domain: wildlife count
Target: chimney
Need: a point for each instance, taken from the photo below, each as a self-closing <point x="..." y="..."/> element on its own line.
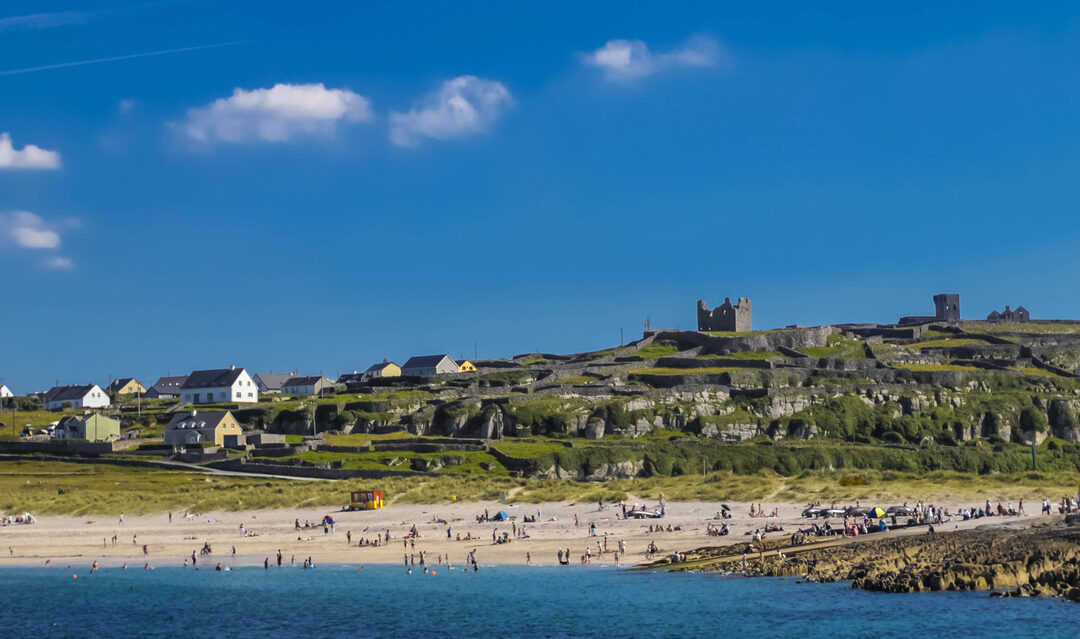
<point x="233" y="367"/>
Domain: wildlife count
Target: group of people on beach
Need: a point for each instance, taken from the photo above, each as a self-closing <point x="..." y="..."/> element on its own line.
<point x="760" y="512"/>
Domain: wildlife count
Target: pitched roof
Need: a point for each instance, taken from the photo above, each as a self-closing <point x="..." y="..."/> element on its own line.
<point x="215" y="378"/>
<point x="274" y="381"/>
<point x="350" y="378"/>
<point x="197" y="420"/>
<point x="169" y="385"/>
<point x="304" y="381"/>
<point x="380" y="366"/>
<point x="117" y="384"/>
<point x="426" y="361"/>
<point x="66" y="393"/>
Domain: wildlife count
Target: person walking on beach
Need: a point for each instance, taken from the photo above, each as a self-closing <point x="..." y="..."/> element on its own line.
<point x="121" y="519"/>
<point x="279" y="558"/>
<point x="528" y="559"/>
<point x="448" y="533"/>
<point x="170" y="516"/>
<point x="348" y="537"/>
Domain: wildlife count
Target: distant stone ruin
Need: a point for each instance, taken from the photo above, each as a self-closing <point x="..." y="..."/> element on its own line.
<point x="726" y="317"/>
<point x="1008" y="315"/>
<point x="946" y="309"/>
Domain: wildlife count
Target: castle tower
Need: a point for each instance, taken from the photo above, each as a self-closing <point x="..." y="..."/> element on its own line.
<point x="947" y="307"/>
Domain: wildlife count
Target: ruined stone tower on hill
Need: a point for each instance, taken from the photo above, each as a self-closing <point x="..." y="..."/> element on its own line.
<point x="947" y="306"/>
<point x="726" y="317"/>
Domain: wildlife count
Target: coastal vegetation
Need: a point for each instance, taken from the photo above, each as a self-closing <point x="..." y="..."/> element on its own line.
<point x="65" y="488"/>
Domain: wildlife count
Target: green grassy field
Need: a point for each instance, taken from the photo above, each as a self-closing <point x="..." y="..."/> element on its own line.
<point x="926" y="368"/>
<point x="681" y="371"/>
<point x="948" y="343"/>
<point x="1021" y="327"/>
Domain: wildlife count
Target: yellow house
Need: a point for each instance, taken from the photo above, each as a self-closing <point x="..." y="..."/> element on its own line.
<point x="466" y="367"/>
<point x="197" y="427"/>
<point x="382" y="369"/>
<point x="127" y="386"/>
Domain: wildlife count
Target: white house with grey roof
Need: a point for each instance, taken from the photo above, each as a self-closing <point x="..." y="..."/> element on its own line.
<point x="76" y="396"/>
<point x="5" y="392"/>
<point x="219" y="385"/>
<point x="167" y="388"/>
<point x="429" y="366"/>
<point x="312" y="385"/>
<point x="272" y="382"/>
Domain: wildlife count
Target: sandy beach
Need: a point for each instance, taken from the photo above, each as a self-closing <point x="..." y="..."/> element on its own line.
<point x="79" y="541"/>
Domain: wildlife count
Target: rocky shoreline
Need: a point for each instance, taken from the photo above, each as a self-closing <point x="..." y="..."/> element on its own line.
<point x="1043" y="560"/>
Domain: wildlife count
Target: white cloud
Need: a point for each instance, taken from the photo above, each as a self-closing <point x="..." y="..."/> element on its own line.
<point x="29" y="231"/>
<point x="25" y="230"/>
<point x="60" y="264"/>
<point x="277" y="114"/>
<point x="462" y="106"/>
<point x="628" y="60"/>
<point x="30" y="157"/>
<point x="44" y="20"/>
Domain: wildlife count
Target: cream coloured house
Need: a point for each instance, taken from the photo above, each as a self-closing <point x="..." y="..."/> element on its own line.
<point x="197" y="427"/>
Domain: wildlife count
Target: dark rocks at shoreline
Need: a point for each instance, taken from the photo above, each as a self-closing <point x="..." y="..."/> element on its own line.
<point x="1041" y="561"/>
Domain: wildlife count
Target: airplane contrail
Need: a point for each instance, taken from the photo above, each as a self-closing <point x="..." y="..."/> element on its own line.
<point x="120" y="57"/>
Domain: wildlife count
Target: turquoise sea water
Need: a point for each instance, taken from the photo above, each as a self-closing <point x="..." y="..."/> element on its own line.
<point x="384" y="601"/>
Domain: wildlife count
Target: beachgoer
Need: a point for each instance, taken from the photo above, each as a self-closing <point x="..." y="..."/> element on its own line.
<point x="121" y="519"/>
<point x="266" y="563"/>
<point x="279" y="558"/>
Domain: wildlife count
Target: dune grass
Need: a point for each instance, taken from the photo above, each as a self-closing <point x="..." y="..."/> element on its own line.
<point x="59" y="488"/>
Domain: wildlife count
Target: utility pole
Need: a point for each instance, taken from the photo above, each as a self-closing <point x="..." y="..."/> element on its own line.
<point x="1034" y="464"/>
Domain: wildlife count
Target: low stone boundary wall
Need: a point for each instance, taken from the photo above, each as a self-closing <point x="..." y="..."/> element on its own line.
<point x="62" y="446"/>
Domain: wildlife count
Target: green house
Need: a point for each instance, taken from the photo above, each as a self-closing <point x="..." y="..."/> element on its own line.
<point x="92" y="428"/>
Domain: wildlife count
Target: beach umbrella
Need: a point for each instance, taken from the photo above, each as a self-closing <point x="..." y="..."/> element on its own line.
<point x="877" y="512"/>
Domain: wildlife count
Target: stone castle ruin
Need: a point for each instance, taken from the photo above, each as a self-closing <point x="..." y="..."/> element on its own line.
<point x="726" y="317"/>
<point x="1021" y="314"/>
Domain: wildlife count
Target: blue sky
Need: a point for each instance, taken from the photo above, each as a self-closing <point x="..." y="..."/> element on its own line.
<point x="341" y="182"/>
